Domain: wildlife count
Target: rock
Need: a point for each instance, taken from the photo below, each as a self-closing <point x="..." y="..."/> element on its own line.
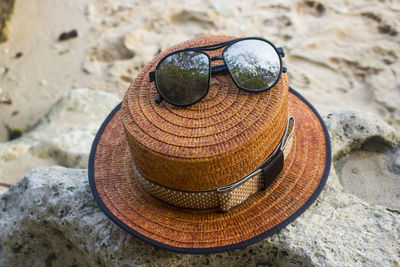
<point x="70" y="148"/>
<point x="370" y="174"/>
<point x="4" y="70"/>
<point x="14" y="133"/>
<point x="68" y="35"/>
<point x="350" y="129"/>
<point x="75" y="108"/>
<point x="394" y="165"/>
<point x="50" y="217"/>
<point x="63" y="136"/>
<point x="6" y="10"/>
<point x="365" y="157"/>
<point x="5" y="98"/>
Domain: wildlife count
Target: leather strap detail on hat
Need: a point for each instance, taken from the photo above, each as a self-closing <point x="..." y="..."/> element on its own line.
<point x="230" y="196"/>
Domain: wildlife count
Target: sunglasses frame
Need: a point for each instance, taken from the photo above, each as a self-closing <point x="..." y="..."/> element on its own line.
<point x="217" y="68"/>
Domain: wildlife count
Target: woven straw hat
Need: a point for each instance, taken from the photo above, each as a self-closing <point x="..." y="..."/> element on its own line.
<point x="187" y="179"/>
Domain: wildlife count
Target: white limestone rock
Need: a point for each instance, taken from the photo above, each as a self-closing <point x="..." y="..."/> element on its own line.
<point x="63" y="136"/>
<point x="350" y="129"/>
<point x="76" y="108"/>
<point x="70" y="148"/>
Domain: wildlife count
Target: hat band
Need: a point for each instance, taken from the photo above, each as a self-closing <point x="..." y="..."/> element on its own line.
<point x="226" y="197"/>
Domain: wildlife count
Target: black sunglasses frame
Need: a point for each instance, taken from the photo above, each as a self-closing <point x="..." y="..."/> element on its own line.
<point x="217" y="68"/>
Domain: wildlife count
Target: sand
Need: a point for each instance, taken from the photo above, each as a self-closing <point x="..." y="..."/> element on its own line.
<point x="340" y="55"/>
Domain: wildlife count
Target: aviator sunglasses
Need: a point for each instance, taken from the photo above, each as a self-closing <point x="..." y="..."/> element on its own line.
<point x="182" y="77"/>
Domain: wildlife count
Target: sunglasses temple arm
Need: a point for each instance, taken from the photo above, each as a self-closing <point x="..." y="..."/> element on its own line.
<point x="152" y="78"/>
<point x="281" y="51"/>
<point x="213" y="46"/>
<point x="159" y="99"/>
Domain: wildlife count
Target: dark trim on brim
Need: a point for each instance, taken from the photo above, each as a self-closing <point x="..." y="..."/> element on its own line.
<point x="212" y="249"/>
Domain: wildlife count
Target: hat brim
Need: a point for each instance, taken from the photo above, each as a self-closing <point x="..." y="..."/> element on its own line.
<point x="121" y="198"/>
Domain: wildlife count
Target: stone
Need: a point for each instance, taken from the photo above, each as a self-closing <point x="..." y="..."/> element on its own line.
<point x="70" y="148"/>
<point x="5" y="98"/>
<point x="365" y="157"/>
<point x="371" y="174"/>
<point x="68" y="35"/>
<point x="50" y="217"/>
<point x="350" y="129"/>
<point x="75" y="108"/>
<point x="395" y="162"/>
<point x="63" y="136"/>
<point x="6" y="10"/>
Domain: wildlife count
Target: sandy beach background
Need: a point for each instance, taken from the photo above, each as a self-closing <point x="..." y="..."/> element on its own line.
<point x="340" y="54"/>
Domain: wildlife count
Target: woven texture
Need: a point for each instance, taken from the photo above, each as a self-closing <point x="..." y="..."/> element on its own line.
<point x="207" y="145"/>
<point x="207" y="200"/>
<point x="115" y="182"/>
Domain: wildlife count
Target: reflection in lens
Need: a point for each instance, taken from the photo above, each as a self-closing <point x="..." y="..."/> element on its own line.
<point x="182" y="78"/>
<point x="254" y="64"/>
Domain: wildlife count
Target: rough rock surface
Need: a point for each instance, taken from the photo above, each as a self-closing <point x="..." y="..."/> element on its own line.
<point x="62" y="137"/>
<point x="350" y="129"/>
<point x="50" y="218"/>
<point x="6" y="10"/>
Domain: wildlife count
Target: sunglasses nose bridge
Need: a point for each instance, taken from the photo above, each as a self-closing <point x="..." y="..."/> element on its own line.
<point x="218" y="68"/>
<point x="216" y="58"/>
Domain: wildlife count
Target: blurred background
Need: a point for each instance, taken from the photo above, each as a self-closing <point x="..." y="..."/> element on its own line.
<point x="339" y="54"/>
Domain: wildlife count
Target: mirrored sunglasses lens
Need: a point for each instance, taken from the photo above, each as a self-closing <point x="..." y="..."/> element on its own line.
<point x="182" y="78"/>
<point x="254" y="64"/>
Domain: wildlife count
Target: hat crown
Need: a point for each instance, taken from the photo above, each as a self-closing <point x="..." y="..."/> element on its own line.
<point x="210" y="144"/>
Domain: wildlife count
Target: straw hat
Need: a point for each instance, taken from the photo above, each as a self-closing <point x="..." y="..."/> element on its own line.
<point x="178" y="178"/>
